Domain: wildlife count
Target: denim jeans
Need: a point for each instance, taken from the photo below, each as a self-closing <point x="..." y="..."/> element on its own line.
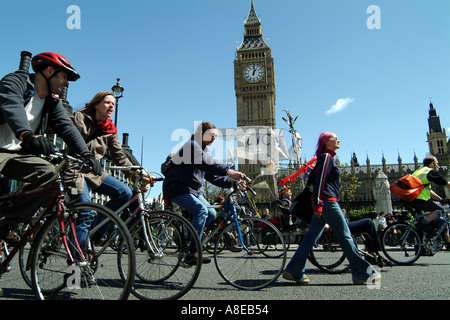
<point x="119" y="193"/>
<point x="332" y="214"/>
<point x="366" y="226"/>
<point x="201" y="215"/>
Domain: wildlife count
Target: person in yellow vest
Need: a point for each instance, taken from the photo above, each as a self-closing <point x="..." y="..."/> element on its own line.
<point x="426" y="200"/>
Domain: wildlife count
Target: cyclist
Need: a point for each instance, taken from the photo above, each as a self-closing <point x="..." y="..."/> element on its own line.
<point x="28" y="106"/>
<point x="100" y="133"/>
<point x="193" y="165"/>
<point x="425" y="200"/>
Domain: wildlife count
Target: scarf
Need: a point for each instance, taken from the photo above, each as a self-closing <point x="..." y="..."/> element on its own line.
<point x="107" y="126"/>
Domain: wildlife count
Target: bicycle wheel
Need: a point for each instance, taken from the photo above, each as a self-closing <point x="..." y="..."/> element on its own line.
<point x="327" y="254"/>
<point x="24" y="263"/>
<point x="95" y="277"/>
<point x="401" y="243"/>
<point x="25" y="256"/>
<point x="254" y="261"/>
<point x="163" y="239"/>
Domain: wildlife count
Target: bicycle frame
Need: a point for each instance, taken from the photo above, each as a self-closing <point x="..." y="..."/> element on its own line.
<point x="139" y="209"/>
<point x="445" y="224"/>
<point x="232" y="216"/>
<point x="414" y="222"/>
<point x="56" y="201"/>
<point x="244" y="196"/>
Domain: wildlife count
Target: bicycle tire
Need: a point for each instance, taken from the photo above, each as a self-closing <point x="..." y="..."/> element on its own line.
<point x="24" y="263"/>
<point x="25" y="258"/>
<point x="96" y="277"/>
<point x="161" y="273"/>
<point x="327" y="254"/>
<point x="254" y="269"/>
<point x="396" y="249"/>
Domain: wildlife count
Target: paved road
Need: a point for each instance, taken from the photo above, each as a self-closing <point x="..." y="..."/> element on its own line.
<point x="427" y="279"/>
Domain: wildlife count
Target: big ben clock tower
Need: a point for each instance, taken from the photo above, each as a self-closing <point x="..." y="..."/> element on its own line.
<point x="254" y="82"/>
<point x="254" y="77"/>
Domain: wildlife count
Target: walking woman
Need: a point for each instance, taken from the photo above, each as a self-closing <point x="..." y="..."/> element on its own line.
<point x="327" y="211"/>
<point x="95" y="125"/>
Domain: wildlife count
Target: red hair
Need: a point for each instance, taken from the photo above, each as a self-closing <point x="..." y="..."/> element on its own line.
<point x="323" y="138"/>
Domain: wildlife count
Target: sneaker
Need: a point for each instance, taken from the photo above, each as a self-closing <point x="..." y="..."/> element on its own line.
<point x="288" y="276"/>
<point x="233" y="248"/>
<point x="191" y="260"/>
<point x="373" y="279"/>
<point x="10" y="237"/>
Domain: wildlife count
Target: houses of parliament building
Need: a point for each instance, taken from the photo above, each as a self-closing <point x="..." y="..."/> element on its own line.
<point x="438" y="144"/>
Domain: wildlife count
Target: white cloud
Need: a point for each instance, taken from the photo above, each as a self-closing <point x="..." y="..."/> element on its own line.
<point x="340" y="105"/>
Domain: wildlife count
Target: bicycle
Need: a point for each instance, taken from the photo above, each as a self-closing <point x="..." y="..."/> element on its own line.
<point x="59" y="268"/>
<point x="403" y="244"/>
<point x="163" y="239"/>
<point x="245" y="257"/>
<point x="328" y="256"/>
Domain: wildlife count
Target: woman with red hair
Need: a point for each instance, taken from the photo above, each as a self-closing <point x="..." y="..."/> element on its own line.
<point x="327" y="211"/>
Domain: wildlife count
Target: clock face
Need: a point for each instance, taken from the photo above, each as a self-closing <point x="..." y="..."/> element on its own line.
<point x="253" y="73"/>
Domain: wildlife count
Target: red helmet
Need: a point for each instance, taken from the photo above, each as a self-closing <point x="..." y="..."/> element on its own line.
<point x="56" y="60"/>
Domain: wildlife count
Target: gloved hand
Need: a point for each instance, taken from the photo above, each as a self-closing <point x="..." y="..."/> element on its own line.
<point x="94" y="163"/>
<point x="36" y="144"/>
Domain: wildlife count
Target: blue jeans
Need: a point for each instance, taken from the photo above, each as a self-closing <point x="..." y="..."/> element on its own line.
<point x="201" y="215"/>
<point x="119" y="193"/>
<point x="332" y="214"/>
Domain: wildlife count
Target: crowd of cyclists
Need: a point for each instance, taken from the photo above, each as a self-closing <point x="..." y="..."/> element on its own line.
<point x="30" y="107"/>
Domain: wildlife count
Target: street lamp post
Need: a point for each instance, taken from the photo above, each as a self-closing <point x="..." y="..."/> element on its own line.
<point x="117" y="89"/>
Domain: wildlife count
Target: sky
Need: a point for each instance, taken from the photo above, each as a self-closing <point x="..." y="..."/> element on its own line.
<point x="365" y="70"/>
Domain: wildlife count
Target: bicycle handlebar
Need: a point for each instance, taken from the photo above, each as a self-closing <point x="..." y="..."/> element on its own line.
<point x="62" y="155"/>
<point x="138" y="178"/>
<point x="125" y="168"/>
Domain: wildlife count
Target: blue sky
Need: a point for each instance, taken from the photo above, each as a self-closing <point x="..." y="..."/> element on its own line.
<point x="175" y="61"/>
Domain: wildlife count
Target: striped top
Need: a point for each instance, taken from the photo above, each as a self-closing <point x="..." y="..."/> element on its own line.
<point x="326" y="180"/>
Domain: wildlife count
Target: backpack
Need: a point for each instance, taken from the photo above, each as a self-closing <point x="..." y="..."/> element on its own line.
<point x="407" y="188"/>
<point x="167" y="165"/>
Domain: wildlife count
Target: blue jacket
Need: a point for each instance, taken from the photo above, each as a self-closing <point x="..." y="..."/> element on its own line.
<point x="193" y="165"/>
<point x="326" y="180"/>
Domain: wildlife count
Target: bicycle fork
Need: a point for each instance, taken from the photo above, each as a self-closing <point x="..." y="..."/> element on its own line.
<point x="233" y="214"/>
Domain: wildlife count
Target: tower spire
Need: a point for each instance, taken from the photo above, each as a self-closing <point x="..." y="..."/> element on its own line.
<point x="434" y="123"/>
<point x="253" y="38"/>
<point x="252" y="18"/>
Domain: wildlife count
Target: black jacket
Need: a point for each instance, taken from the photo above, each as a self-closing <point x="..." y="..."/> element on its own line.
<point x="15" y="90"/>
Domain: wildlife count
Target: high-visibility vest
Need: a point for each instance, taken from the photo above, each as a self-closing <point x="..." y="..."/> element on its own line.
<point x="422" y="175"/>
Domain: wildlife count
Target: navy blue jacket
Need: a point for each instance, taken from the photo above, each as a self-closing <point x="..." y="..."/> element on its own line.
<point x="193" y="165"/>
<point x="326" y="180"/>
